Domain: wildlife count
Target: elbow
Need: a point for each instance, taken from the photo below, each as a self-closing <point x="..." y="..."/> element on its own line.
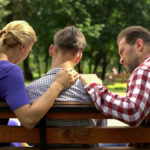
<point x="132" y="123"/>
<point x="29" y="124"/>
<point x="135" y="122"/>
<point x="135" y="118"/>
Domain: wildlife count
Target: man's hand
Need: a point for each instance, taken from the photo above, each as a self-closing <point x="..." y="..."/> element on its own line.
<point x="90" y="78"/>
<point x="66" y="78"/>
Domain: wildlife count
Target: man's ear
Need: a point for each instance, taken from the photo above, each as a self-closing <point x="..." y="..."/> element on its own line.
<point x="139" y="44"/>
<point x="51" y="49"/>
<point x="78" y="57"/>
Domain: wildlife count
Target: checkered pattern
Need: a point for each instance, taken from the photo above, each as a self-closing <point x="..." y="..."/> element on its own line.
<point x="131" y="109"/>
<point x="75" y="93"/>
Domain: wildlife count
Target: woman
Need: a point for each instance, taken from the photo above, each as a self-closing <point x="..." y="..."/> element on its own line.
<point x="16" y="41"/>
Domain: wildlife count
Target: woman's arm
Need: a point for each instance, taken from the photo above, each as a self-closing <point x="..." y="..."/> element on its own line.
<point x="30" y="114"/>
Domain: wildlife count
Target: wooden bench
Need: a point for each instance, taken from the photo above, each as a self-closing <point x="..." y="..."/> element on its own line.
<point x="71" y="135"/>
<point x="121" y="77"/>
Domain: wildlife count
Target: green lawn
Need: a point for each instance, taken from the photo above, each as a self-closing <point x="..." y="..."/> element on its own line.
<point x="117" y="87"/>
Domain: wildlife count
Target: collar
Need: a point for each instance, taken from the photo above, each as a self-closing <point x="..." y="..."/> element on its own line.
<point x="147" y="58"/>
<point x="53" y="71"/>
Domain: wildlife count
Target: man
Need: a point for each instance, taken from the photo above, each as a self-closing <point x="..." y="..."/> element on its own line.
<point x="66" y="52"/>
<point x="134" y="51"/>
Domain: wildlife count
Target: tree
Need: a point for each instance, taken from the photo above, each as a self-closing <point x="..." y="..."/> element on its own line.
<point x="99" y="20"/>
<point x="3" y="11"/>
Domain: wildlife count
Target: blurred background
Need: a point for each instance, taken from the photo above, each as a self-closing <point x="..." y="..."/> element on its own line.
<point x="99" y="20"/>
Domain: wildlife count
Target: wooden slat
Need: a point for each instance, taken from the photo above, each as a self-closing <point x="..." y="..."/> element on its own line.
<point x="73" y="103"/>
<point x="19" y="134"/>
<point x="94" y="148"/>
<point x="89" y="135"/>
<point x="7" y="115"/>
<point x="78" y="135"/>
<point x="65" y="115"/>
<point x="75" y="115"/>
<point x="101" y="148"/>
<point x="62" y="115"/>
<point x="19" y="148"/>
<point x="60" y="111"/>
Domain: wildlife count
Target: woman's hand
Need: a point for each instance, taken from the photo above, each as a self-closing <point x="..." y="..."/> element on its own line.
<point x="90" y="78"/>
<point x="66" y="77"/>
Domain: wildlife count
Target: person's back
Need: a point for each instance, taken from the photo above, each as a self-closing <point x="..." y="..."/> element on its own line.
<point x="66" y="52"/>
<point x="75" y="93"/>
<point x="5" y="67"/>
<point x="8" y="71"/>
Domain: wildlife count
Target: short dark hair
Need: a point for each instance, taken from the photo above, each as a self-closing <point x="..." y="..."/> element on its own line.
<point x="133" y="33"/>
<point x="70" y="39"/>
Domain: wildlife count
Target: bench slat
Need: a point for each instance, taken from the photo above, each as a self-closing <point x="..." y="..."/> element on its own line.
<point x="75" y="115"/>
<point x="7" y="115"/>
<point x="98" y="148"/>
<point x="72" y="115"/>
<point x="60" y="110"/>
<point x="78" y="135"/>
<point x="19" y="134"/>
<point x="93" y="135"/>
<point x="73" y="135"/>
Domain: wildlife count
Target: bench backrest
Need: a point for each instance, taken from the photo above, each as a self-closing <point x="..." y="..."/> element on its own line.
<point x="71" y="135"/>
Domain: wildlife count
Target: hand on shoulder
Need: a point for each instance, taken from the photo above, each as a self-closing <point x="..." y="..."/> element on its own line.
<point x="90" y="78"/>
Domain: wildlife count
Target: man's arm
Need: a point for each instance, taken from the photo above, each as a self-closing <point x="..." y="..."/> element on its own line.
<point x="131" y="109"/>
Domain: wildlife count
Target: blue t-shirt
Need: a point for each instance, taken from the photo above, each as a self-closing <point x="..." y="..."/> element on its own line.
<point x="12" y="88"/>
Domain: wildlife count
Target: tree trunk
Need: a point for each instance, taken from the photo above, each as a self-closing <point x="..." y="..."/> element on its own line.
<point x="119" y="68"/>
<point x="46" y="60"/>
<point x="104" y="66"/>
<point x="38" y="64"/>
<point x="97" y="60"/>
<point x="79" y="68"/>
<point x="90" y="65"/>
<point x="27" y="70"/>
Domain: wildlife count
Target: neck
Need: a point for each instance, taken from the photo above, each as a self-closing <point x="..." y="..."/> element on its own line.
<point x="144" y="54"/>
<point x="65" y="65"/>
<point x="65" y="61"/>
<point x="9" y="55"/>
<point x="3" y="56"/>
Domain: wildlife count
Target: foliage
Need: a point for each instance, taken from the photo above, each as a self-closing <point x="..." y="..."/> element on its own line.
<point x="99" y="20"/>
<point x="3" y="11"/>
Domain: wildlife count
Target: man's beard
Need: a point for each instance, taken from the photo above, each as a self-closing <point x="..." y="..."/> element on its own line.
<point x="132" y="66"/>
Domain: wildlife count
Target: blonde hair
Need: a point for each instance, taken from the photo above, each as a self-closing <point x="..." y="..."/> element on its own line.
<point x="17" y="32"/>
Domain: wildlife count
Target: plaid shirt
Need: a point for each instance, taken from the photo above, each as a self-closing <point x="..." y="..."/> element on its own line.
<point x="75" y="93"/>
<point x="131" y="109"/>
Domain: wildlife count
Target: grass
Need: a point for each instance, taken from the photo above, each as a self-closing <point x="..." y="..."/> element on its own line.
<point x="117" y="87"/>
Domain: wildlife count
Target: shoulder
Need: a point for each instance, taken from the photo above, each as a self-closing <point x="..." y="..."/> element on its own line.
<point x="45" y="79"/>
<point x="7" y="68"/>
<point x="15" y="71"/>
<point x="141" y="73"/>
